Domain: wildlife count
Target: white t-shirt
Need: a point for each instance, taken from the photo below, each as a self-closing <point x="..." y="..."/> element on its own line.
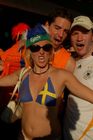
<point x="80" y="112"/>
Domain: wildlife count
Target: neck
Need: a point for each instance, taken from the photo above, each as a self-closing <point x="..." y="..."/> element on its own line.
<point x="40" y="73"/>
<point x="89" y="53"/>
<point x="57" y="48"/>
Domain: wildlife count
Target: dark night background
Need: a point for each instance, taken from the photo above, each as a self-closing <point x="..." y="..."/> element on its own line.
<point x="10" y="16"/>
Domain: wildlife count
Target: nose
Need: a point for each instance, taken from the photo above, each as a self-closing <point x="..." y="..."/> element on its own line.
<point x="60" y="33"/>
<point x="80" y="37"/>
<point x="41" y="50"/>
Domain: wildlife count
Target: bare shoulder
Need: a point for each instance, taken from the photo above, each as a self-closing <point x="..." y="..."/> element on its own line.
<point x="22" y="71"/>
<point x="17" y="73"/>
<point x="61" y="78"/>
<point x="60" y="73"/>
<point x="70" y="66"/>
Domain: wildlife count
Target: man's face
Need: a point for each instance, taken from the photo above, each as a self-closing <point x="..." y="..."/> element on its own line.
<point x="82" y="41"/>
<point x="58" y="31"/>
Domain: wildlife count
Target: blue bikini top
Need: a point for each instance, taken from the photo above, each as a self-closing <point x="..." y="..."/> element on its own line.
<point x="47" y="95"/>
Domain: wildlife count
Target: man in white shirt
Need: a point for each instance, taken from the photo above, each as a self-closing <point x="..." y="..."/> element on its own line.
<point x="78" y="124"/>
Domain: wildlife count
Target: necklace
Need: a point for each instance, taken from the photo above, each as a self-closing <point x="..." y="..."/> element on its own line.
<point x="40" y="72"/>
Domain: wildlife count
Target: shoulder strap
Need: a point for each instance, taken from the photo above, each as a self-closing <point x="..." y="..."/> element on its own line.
<point x="23" y="71"/>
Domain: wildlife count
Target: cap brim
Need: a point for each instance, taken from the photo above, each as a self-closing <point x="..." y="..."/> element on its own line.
<point x="36" y="39"/>
<point x="81" y="25"/>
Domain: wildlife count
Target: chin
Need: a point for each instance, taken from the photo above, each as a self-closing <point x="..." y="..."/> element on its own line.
<point x="81" y="54"/>
<point x="42" y="66"/>
<point x="56" y="46"/>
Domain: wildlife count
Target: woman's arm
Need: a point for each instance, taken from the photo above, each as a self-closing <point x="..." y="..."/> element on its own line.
<point x="70" y="66"/>
<point x="77" y="88"/>
<point x="10" y="80"/>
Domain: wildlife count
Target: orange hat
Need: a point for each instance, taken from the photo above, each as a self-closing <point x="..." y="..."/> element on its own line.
<point x="19" y="29"/>
<point x="1" y="52"/>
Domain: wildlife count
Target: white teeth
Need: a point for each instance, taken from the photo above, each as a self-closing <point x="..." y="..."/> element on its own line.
<point x="41" y="58"/>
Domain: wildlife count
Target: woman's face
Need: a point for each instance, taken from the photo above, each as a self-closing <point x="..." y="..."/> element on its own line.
<point x="41" y="53"/>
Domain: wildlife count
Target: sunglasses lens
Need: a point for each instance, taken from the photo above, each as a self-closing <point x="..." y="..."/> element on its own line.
<point x="47" y="47"/>
<point x="34" y="48"/>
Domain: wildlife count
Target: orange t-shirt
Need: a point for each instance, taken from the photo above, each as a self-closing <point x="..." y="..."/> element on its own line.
<point x="11" y="59"/>
<point x="61" y="58"/>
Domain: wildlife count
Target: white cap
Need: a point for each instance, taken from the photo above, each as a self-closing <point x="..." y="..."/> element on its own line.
<point x="82" y="21"/>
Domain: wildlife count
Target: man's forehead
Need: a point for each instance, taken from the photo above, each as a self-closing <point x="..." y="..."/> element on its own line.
<point x="62" y="26"/>
<point x="62" y="22"/>
<point x="61" y="19"/>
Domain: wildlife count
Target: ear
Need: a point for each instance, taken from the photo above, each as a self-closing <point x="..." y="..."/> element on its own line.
<point x="46" y="24"/>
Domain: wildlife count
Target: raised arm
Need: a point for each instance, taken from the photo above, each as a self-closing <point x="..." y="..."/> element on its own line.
<point x="77" y="88"/>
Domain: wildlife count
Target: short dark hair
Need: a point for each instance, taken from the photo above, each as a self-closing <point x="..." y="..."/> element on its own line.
<point x="59" y="12"/>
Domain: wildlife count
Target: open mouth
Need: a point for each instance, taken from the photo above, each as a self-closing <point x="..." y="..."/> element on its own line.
<point x="41" y="59"/>
<point x="58" y="40"/>
<point x="80" y="45"/>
